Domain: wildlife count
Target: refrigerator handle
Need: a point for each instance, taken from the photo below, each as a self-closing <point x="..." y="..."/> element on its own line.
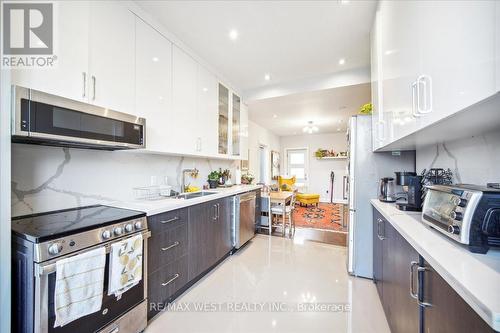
<point x="344" y="188"/>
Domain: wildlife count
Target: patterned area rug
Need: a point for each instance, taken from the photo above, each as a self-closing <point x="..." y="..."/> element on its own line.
<point x="326" y="216"/>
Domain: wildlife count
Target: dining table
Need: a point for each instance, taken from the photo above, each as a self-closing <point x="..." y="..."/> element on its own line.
<point x="279" y="198"/>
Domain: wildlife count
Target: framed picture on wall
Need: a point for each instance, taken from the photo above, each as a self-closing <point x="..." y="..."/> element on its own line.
<point x="275" y="164"/>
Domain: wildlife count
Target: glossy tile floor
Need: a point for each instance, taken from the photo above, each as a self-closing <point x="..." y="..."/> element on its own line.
<point x="266" y="286"/>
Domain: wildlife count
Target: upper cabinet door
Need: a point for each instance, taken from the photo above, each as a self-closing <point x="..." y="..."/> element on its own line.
<point x="457" y="47"/>
<point x="183" y="124"/>
<point x="206" y="118"/>
<point x="69" y="77"/>
<point x="223" y="120"/>
<point x="399" y="60"/>
<point x="244" y="132"/>
<point x="112" y="63"/>
<point x="153" y="84"/>
<point x="236" y="125"/>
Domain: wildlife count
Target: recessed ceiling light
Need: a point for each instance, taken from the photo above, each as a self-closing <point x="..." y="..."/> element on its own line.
<point x="275" y="116"/>
<point x="267" y="77"/>
<point x="344" y="2"/>
<point x="341" y="61"/>
<point x="233" y="34"/>
<point x="156" y="59"/>
<point x="205" y="89"/>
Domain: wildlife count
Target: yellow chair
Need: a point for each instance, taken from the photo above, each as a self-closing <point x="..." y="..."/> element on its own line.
<point x="308" y="199"/>
<point x="286" y="184"/>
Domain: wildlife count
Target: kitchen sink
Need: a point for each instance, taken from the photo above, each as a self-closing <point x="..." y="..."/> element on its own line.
<point x="194" y="195"/>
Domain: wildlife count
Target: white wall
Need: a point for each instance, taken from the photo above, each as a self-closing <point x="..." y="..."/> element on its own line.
<point x="473" y="160"/>
<point x="258" y="135"/>
<point x="319" y="170"/>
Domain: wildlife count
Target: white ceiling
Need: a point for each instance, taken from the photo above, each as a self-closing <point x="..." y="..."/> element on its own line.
<point x="290" y="40"/>
<point x="329" y="109"/>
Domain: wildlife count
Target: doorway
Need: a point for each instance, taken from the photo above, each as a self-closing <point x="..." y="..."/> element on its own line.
<point x="263" y="164"/>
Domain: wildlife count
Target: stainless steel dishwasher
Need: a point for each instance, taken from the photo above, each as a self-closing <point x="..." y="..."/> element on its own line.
<point x="243" y="218"/>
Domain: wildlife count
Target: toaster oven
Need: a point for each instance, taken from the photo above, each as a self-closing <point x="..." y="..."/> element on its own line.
<point x="469" y="214"/>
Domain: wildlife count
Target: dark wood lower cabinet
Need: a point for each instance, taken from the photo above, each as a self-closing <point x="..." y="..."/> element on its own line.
<point x="184" y="245"/>
<point x="448" y="311"/>
<point x="402" y="311"/>
<point x="392" y="258"/>
<point x="396" y="277"/>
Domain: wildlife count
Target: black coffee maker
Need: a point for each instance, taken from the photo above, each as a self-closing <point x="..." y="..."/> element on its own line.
<point x="412" y="191"/>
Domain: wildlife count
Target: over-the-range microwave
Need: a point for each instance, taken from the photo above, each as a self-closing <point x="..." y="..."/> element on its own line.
<point x="41" y="118"/>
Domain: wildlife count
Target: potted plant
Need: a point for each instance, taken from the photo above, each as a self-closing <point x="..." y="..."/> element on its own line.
<point x="366" y="109"/>
<point x="247" y="179"/>
<point x="213" y="179"/>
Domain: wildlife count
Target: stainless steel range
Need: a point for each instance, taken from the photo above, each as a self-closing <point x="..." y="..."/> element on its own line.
<point x="40" y="240"/>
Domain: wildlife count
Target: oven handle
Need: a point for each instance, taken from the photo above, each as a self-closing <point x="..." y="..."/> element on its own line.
<point x="50" y="267"/>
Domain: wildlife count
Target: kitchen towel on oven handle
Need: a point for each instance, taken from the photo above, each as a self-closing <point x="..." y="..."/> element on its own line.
<point x="79" y="285"/>
<point x="125" y="265"/>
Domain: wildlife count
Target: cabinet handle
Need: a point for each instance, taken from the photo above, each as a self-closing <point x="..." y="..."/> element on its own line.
<point x="421" y="303"/>
<point x="379" y="235"/>
<point x="84" y="76"/>
<point x="170" y="220"/>
<point x="218" y="211"/>
<point x="427" y="95"/>
<point x="414" y="100"/>
<point x="170" y="246"/>
<point x="93" y="87"/>
<point x="215" y="213"/>
<point x="171" y="280"/>
<point x="413" y="294"/>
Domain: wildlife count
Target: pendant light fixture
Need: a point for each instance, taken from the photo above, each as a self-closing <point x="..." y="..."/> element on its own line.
<point x="310" y="128"/>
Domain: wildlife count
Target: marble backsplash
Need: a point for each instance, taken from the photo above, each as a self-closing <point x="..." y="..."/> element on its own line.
<point x="51" y="178"/>
<point x="474" y="160"/>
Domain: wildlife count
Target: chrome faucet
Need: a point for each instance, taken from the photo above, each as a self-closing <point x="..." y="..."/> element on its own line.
<point x="193" y="172"/>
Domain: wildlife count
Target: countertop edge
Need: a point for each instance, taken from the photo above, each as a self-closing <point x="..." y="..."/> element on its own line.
<point x="485" y="312"/>
<point x="167" y="205"/>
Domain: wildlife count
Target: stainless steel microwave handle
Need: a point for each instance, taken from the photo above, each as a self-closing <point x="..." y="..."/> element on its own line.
<point x="50" y="267"/>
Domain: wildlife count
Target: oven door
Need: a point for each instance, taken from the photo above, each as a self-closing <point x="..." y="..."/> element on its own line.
<point x="111" y="309"/>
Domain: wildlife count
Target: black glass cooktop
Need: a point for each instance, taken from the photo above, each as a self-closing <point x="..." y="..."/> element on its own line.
<point x="42" y="227"/>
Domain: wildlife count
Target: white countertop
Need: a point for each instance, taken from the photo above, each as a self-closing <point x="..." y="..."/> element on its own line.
<point x="153" y="207"/>
<point x="475" y="277"/>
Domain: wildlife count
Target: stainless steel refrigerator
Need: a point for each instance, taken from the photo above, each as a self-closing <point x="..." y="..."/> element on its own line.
<point x="365" y="168"/>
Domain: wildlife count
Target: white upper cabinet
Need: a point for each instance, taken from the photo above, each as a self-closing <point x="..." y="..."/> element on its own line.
<point x="435" y="59"/>
<point x="69" y="77"/>
<point x="183" y="126"/>
<point x="235" y="125"/>
<point x="206" y="113"/>
<point x="378" y="121"/>
<point x="398" y="56"/>
<point x="223" y="120"/>
<point x="153" y="85"/>
<point x="112" y="53"/>
<point x="244" y="132"/>
<point x="457" y="48"/>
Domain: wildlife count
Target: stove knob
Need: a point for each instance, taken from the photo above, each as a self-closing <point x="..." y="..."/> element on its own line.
<point x="118" y="231"/>
<point x="454" y="229"/>
<point x="106" y="234"/>
<point x="55" y="248"/>
<point x="456" y="215"/>
<point x="138" y="225"/>
<point x="129" y="228"/>
<point x="462" y="203"/>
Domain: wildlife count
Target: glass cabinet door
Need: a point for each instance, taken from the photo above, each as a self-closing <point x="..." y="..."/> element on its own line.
<point x="236" y="125"/>
<point x="223" y="119"/>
